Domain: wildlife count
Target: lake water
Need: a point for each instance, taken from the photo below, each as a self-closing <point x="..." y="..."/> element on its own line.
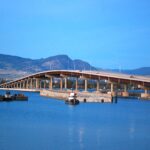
<point x="49" y="124"/>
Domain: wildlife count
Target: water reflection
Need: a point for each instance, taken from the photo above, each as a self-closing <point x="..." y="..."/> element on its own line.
<point x="50" y="124"/>
<point x="81" y="136"/>
<point x="132" y="129"/>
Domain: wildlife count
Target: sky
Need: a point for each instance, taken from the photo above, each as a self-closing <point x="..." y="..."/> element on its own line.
<point x="106" y="33"/>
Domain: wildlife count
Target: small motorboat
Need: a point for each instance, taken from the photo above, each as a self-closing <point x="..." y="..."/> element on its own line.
<point x="72" y="99"/>
<point x="20" y="97"/>
<point x="7" y="96"/>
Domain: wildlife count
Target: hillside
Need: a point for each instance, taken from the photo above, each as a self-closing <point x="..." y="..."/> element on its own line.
<point x="14" y="66"/>
<point x="143" y="71"/>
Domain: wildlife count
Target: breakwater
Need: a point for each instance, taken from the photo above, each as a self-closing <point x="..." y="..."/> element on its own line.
<point x="81" y="96"/>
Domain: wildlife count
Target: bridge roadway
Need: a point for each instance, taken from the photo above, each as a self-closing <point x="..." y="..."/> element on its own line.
<point x="33" y="81"/>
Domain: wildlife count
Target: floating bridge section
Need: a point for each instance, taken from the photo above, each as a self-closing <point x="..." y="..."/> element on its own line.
<point x="45" y="80"/>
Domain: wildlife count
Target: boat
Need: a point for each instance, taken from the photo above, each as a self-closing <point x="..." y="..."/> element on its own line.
<point x="1" y="98"/>
<point x="72" y="99"/>
<point x="20" y="97"/>
<point x="15" y="97"/>
<point x="7" y="96"/>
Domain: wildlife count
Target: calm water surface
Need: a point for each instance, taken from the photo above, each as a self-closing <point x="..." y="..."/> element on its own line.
<point x="48" y="124"/>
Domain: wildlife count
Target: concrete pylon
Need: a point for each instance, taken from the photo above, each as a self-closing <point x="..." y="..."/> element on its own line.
<point x="44" y="84"/>
<point x="125" y="93"/>
<point x="112" y="87"/>
<point x="31" y="82"/>
<point x="40" y="84"/>
<point x="65" y="82"/>
<point x="76" y="84"/>
<point x="17" y="85"/>
<point x="51" y="83"/>
<point x="27" y="84"/>
<point x="145" y="95"/>
<point x="146" y="91"/>
<point x="23" y="84"/>
<point x="97" y="85"/>
<point x="37" y="84"/>
<point x="20" y="84"/>
<point x="61" y="84"/>
<point x="125" y="88"/>
<point x="85" y="85"/>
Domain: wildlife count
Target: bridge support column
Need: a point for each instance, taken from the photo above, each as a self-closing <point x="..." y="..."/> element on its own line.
<point x="97" y="85"/>
<point x="51" y="83"/>
<point x="27" y="83"/>
<point x="76" y="84"/>
<point x="44" y="84"/>
<point x="125" y="88"/>
<point x="19" y="85"/>
<point x="112" y="88"/>
<point x="40" y="83"/>
<point x="145" y="95"/>
<point x="61" y="84"/>
<point x="125" y="93"/>
<point x="23" y="84"/>
<point x="37" y="84"/>
<point x="65" y="83"/>
<point x="85" y="86"/>
<point x="31" y="83"/>
<point x="146" y="91"/>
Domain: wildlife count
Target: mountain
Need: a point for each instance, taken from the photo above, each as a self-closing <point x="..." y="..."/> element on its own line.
<point x="139" y="71"/>
<point x="143" y="71"/>
<point x="14" y="66"/>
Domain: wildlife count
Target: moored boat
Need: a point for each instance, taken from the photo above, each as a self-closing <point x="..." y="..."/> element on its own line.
<point x="15" y="97"/>
<point x="7" y="96"/>
<point x="1" y="97"/>
<point x="72" y="99"/>
<point x="20" y="97"/>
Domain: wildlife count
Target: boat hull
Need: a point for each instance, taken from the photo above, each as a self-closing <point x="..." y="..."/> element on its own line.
<point x="72" y="102"/>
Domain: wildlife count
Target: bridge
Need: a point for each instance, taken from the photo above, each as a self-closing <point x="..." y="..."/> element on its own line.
<point x="111" y="82"/>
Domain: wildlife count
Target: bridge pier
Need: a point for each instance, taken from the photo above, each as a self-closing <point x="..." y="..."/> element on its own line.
<point x="27" y="83"/>
<point x="51" y="83"/>
<point x="125" y="93"/>
<point x="111" y="92"/>
<point x="37" y="83"/>
<point x="65" y="82"/>
<point x="40" y="83"/>
<point x="31" y="83"/>
<point x="23" y="84"/>
<point x="85" y="85"/>
<point x="97" y="85"/>
<point x="44" y="84"/>
<point x="145" y="95"/>
<point x="76" y="86"/>
<point x="19" y="85"/>
<point x="61" y="84"/>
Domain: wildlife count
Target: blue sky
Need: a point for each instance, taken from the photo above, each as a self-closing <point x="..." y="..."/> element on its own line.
<point x="106" y="33"/>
